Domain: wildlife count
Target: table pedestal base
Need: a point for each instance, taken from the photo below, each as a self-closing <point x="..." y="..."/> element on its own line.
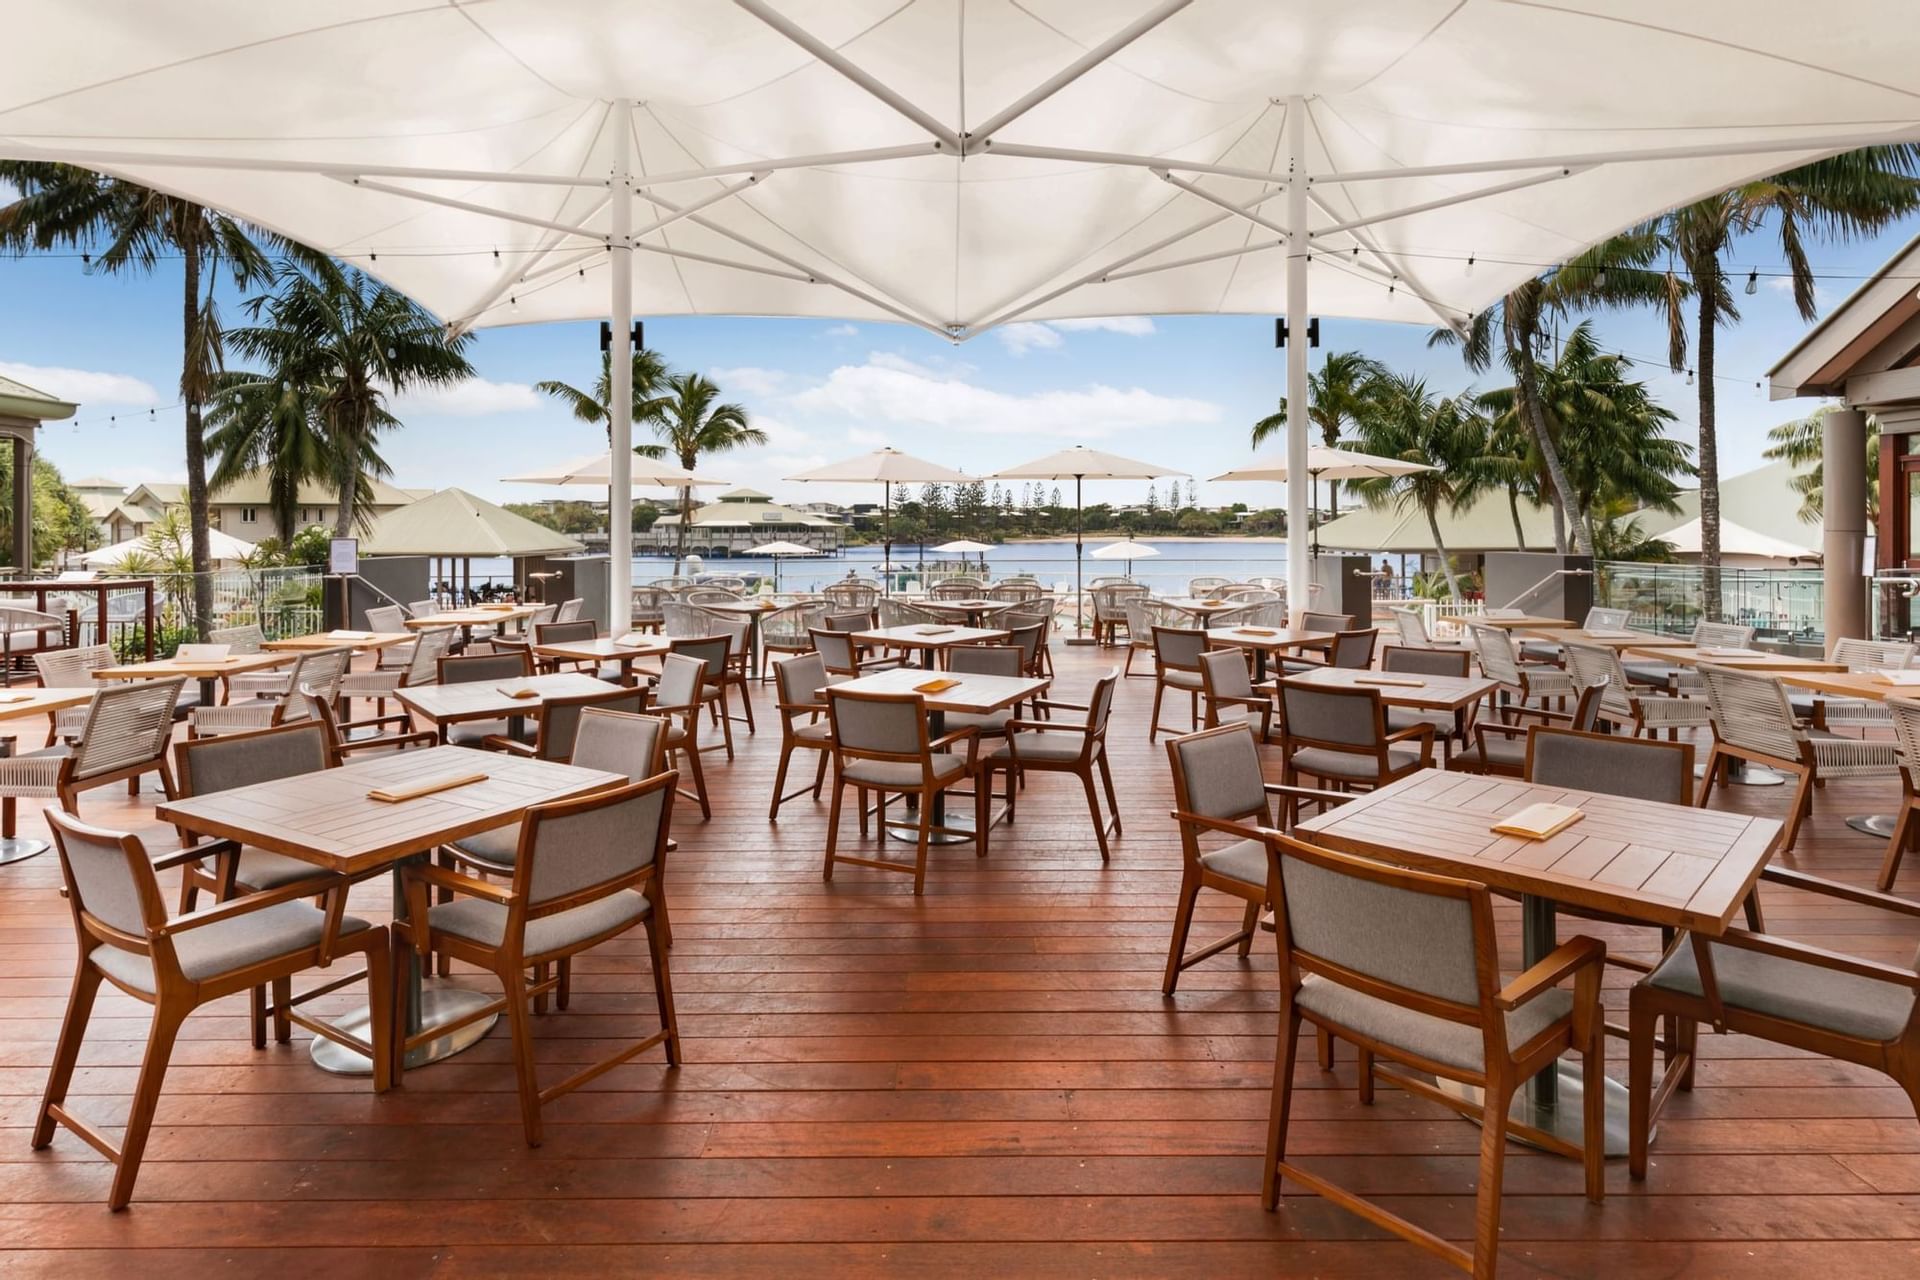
<point x="1747" y="775"/>
<point x="440" y="1004"/>
<point x="20" y="848"/>
<point x="1562" y="1117"/>
<point x="1873" y="824"/>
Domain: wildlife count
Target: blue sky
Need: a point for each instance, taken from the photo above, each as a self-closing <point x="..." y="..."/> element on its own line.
<point x="1177" y="391"/>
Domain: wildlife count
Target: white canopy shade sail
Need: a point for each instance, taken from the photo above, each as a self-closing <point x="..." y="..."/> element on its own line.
<point x="1736" y="540"/>
<point x="956" y="167"/>
<point x="221" y="546"/>
<point x="963" y="546"/>
<point x="1334" y="464"/>
<point x="1126" y="549"/>
<point x="596" y="472"/>
<point x="1082" y="463"/>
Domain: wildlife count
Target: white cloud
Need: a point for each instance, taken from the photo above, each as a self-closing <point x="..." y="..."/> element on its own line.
<point x="749" y="380"/>
<point x="897" y="392"/>
<point x="780" y="433"/>
<point x="1132" y="326"/>
<point x="842" y="331"/>
<point x="1026" y="336"/>
<point x="82" y="386"/>
<point x="860" y="435"/>
<point x="473" y="398"/>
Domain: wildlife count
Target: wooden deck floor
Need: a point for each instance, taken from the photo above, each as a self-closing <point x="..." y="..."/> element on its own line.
<point x="982" y="1082"/>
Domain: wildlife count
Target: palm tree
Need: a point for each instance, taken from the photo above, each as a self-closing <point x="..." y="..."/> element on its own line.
<point x="689" y="425"/>
<point x="649" y="376"/>
<point x="122" y="226"/>
<point x="1802" y="442"/>
<point x="1408" y="423"/>
<point x="351" y="342"/>
<point x="263" y="423"/>
<point x="1842" y="196"/>
<point x="1338" y="393"/>
<point x="1514" y="331"/>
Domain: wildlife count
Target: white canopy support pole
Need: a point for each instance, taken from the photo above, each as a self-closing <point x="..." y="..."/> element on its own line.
<point x="467" y="206"/>
<point x="1198" y="259"/>
<point x="1073" y="71"/>
<point x="1481" y="193"/>
<point x="1240" y="210"/>
<point x="1124" y="159"/>
<point x="1390" y="271"/>
<point x="833" y="58"/>
<point x="1298" y="254"/>
<point x="528" y="276"/>
<point x="620" y="393"/>
<point x="820" y="160"/>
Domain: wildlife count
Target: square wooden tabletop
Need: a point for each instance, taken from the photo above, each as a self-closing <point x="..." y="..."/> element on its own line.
<point x="17" y="704"/>
<point x="475" y="616"/>
<point x="359" y="641"/>
<point x="327" y="818"/>
<point x="973" y="694"/>
<point x="206" y="669"/>
<point x="1621" y="639"/>
<point x="1747" y="660"/>
<point x="486" y="699"/>
<point x="1423" y="693"/>
<point x="604" y="648"/>
<point x="921" y="635"/>
<point x="1520" y="622"/>
<point x="1203" y="608"/>
<point x="1850" y="684"/>
<point x="1665" y="864"/>
<point x="748" y="608"/>
<point x="1271" y="638"/>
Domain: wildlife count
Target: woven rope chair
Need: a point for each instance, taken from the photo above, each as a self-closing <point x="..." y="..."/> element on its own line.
<point x="125" y="735"/>
<point x="1620" y="704"/>
<point x="70" y="669"/>
<point x="1500" y="661"/>
<point x="320" y="670"/>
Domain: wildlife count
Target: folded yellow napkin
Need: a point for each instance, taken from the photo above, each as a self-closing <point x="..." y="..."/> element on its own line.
<point x="388" y="795"/>
<point x="1400" y="681"/>
<point x="520" y="692"/>
<point x="935" y="686"/>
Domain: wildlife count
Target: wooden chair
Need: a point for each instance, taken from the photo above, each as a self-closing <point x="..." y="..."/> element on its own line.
<point x="1499" y="660"/>
<point x="798" y="681"/>
<point x="842" y="656"/>
<point x="560" y="723"/>
<point x="1620" y="704"/>
<point x="70" y="669"/>
<point x="1753" y="721"/>
<point x="319" y="670"/>
<point x="648" y="608"/>
<point x="1110" y="610"/>
<point x="564" y="633"/>
<point x="1227" y="685"/>
<point x="1805" y="997"/>
<point x="1499" y="747"/>
<point x="1061" y="746"/>
<point x="1340" y="736"/>
<point x="713" y="653"/>
<point x="504" y="667"/>
<point x="1449" y="727"/>
<point x="1904" y="715"/>
<point x="176" y="965"/>
<point x="678" y="696"/>
<point x="1176" y="665"/>
<point x="1598" y="619"/>
<point x="1351" y="649"/>
<point x="987" y="660"/>
<point x="422" y="667"/>
<point x="881" y="744"/>
<point x="203" y="766"/>
<point x="585" y="872"/>
<point x="1425" y="994"/>
<point x="1827" y="711"/>
<point x="124" y="736"/>
<point x="788" y="629"/>
<point x="1219" y="790"/>
<point x="249" y="639"/>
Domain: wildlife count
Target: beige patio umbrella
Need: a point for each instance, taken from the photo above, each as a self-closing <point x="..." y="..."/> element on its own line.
<point x="1125" y="549"/>
<point x="1081" y="463"/>
<point x="596" y="472"/>
<point x="1334" y="464"/>
<point x="885" y="467"/>
<point x="778" y="551"/>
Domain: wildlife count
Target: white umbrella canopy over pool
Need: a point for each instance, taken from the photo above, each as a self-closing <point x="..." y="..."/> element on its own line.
<point x="596" y="472"/>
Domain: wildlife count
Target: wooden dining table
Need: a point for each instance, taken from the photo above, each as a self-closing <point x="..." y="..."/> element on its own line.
<point x="1871" y="686"/>
<point x="931" y="639"/>
<point x="208" y="671"/>
<point x="445" y="704"/>
<point x="1621" y="639"/>
<point x="328" y="819"/>
<point x="358" y="641"/>
<point x="1264" y="642"/>
<point x="624" y="651"/>
<point x="18" y="704"/>
<point x="1665" y="865"/>
<point x="1689" y="655"/>
<point x="474" y="616"/>
<point x="970" y="694"/>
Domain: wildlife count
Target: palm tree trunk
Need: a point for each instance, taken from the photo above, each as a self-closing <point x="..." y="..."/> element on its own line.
<point x="1708" y="457"/>
<point x="346" y="469"/>
<point x="1513" y="509"/>
<point x="1535" y="417"/>
<point x="192" y="384"/>
<point x="1440" y="549"/>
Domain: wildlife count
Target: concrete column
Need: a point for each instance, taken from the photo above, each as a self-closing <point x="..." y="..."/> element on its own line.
<point x="1844" y="499"/>
<point x="23" y="503"/>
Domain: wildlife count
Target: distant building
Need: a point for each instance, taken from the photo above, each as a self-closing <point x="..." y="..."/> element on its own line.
<point x="102" y="499"/>
<point x="241" y="508"/>
<point x="742" y="519"/>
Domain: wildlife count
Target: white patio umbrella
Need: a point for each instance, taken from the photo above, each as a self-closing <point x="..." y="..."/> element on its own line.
<point x="964" y="547"/>
<point x="596" y="472"/>
<point x="1126" y="549"/>
<point x="222" y="547"/>
<point x="1081" y="463"/>
<point x="779" y="551"/>
<point x="1334" y="464"/>
<point x="1417" y="159"/>
<point x="885" y="467"/>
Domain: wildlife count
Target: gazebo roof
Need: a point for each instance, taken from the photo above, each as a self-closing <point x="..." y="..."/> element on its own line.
<point x="18" y="400"/>
<point x="454" y="522"/>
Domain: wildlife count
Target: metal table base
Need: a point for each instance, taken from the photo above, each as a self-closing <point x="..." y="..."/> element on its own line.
<point x="20" y="848"/>
<point x="1873" y="824"/>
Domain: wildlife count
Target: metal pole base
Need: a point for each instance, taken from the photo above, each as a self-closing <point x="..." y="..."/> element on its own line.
<point x="1563" y="1117"/>
<point x="959" y="829"/>
<point x="20" y="848"/>
<point x="1080" y="640"/>
<point x="1750" y="775"/>
<point x="439" y="1004"/>
<point x="1873" y="824"/>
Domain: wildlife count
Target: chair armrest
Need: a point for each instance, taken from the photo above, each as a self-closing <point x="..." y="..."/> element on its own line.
<point x="1413" y="731"/>
<point x="794" y="708"/>
<point x="948" y="739"/>
<point x="1045" y="726"/>
<point x="1308" y="793"/>
<point x="1818" y="957"/>
<point x="511" y="746"/>
<point x="319" y="883"/>
<point x="375" y="721"/>
<point x="1513" y="712"/>
<point x="398" y="741"/>
<point x="1835" y="889"/>
<point x="1052" y="704"/>
<point x="1556" y="967"/>
<point x="1221" y="825"/>
<point x="446" y="878"/>
<point x="1482" y="729"/>
<point x="193" y="853"/>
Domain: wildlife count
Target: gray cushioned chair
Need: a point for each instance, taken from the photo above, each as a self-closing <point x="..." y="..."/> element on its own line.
<point x="1449" y="727"/>
<point x="803" y="724"/>
<point x="678" y="695"/>
<point x="1077" y="746"/>
<point x="881" y="744"/>
<point x="1228" y="693"/>
<point x="476" y="669"/>
<point x="1176" y="666"/>
<point x="1340" y="736"/>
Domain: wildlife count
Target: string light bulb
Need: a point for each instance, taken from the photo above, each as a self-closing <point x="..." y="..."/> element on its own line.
<point x="1469" y="271"/>
<point x="1600" y="278"/>
<point x="1689" y="377"/>
<point x="1753" y="283"/>
<point x="513" y="304"/>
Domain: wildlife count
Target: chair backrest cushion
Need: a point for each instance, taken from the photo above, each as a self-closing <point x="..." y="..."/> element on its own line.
<point x="575" y="851"/>
<point x="617" y="740"/>
<point x="1219" y="772"/>
<point x="1178" y="648"/>
<point x="486" y="666"/>
<point x="680" y="681"/>
<point x="1661" y="772"/>
<point x="1322" y="713"/>
<point x="876" y="723"/>
<point x="987" y="659"/>
<point x="103" y="880"/>
<point x="1423" y="661"/>
<point x="1225" y="673"/>
<point x="1326" y="621"/>
<point x="560" y="719"/>
<point x="1421" y="941"/>
<point x="234" y="760"/>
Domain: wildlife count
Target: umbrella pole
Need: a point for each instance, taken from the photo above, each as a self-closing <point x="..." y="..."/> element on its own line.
<point x="886" y="537"/>
<point x="1310" y="515"/>
<point x="1079" y="591"/>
